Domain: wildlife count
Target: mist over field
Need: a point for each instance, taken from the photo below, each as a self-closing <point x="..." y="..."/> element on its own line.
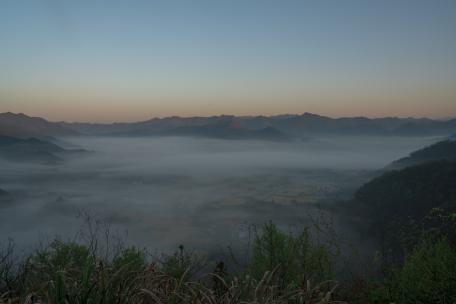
<point x="227" y="152"/>
<point x="204" y="193"/>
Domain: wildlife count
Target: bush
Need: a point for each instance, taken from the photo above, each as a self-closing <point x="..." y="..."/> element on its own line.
<point x="293" y="258"/>
<point x="60" y="256"/>
<point x="429" y="274"/>
<point x="182" y="264"/>
<point x="68" y="272"/>
<point x="130" y="260"/>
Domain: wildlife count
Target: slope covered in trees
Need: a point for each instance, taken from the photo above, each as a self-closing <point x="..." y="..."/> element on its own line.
<point x="443" y="150"/>
<point x="412" y="191"/>
<point x="401" y="209"/>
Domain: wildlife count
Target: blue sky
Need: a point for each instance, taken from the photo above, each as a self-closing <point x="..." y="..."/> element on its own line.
<point x="130" y="60"/>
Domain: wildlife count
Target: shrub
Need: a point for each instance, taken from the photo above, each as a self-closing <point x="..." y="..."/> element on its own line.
<point x="429" y="274"/>
<point x="68" y="272"/>
<point x="293" y="258"/>
<point x="182" y="264"/>
<point x="131" y="260"/>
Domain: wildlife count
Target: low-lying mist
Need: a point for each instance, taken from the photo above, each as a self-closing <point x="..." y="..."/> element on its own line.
<point x="203" y="193"/>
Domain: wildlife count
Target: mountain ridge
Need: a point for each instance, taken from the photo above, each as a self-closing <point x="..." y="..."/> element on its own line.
<point x="24" y="126"/>
<point x="290" y="125"/>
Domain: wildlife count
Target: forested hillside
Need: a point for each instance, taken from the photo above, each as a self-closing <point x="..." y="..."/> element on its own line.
<point x="412" y="191"/>
<point x="443" y="150"/>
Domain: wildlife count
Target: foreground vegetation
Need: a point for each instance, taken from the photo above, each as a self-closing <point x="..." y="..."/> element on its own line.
<point x="283" y="267"/>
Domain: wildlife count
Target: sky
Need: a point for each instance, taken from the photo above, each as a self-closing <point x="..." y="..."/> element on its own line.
<point x="131" y="60"/>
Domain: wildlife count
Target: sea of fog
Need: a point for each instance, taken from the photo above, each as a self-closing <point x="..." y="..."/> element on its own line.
<point x="203" y="193"/>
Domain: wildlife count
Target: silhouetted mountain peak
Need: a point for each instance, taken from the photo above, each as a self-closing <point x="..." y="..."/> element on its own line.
<point x="313" y="116"/>
<point x="21" y="125"/>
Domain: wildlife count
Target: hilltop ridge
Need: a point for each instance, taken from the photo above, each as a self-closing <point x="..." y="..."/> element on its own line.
<point x="278" y="127"/>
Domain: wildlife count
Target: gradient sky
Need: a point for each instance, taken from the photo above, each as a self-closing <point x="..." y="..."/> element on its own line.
<point x="132" y="60"/>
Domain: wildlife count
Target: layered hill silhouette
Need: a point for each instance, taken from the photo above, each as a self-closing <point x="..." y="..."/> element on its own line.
<point x="23" y="126"/>
<point x="223" y="130"/>
<point x="279" y="127"/>
<point x="33" y="150"/>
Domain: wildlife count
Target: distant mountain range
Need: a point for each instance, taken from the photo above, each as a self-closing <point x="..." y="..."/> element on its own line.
<point x="280" y="127"/>
<point x="21" y="125"/>
<point x="33" y="150"/>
